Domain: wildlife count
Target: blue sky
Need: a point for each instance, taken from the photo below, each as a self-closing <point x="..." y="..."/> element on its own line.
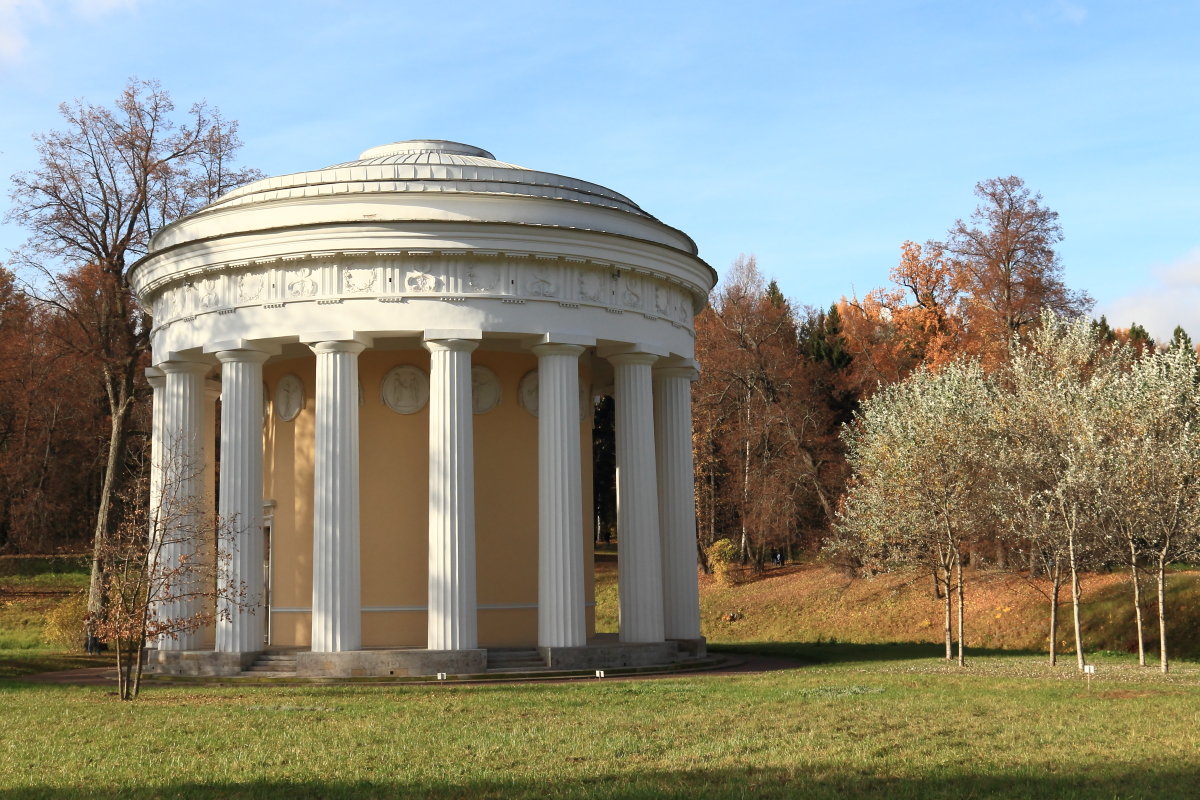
<point x="818" y="136"/>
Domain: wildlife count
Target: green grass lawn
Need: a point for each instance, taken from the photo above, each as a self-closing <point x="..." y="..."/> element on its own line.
<point x="854" y="719"/>
<point x="857" y="719"/>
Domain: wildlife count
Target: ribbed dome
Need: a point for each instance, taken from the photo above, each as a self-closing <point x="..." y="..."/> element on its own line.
<point x="427" y="165"/>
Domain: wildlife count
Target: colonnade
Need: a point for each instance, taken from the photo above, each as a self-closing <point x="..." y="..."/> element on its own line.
<point x="656" y="518"/>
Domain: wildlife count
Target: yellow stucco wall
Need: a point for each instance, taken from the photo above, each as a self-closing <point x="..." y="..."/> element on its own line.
<point x="394" y="458"/>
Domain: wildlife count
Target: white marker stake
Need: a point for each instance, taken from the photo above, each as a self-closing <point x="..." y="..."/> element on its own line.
<point x="1089" y="670"/>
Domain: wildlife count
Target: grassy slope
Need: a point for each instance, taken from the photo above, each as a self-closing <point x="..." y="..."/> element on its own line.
<point x="809" y="603"/>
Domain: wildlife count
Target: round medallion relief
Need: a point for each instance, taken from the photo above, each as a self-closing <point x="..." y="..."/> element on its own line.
<point x="527" y="392"/>
<point x="405" y="389"/>
<point x="289" y="398"/>
<point x="485" y="390"/>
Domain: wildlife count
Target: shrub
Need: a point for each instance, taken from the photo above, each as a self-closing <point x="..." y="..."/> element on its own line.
<point x="723" y="557"/>
<point x="64" y="627"/>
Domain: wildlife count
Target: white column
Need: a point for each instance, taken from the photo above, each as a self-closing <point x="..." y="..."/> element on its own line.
<point x="639" y="553"/>
<point x="452" y="606"/>
<point x="337" y="597"/>
<point x="180" y="489"/>
<point x="158" y="382"/>
<point x="561" y="621"/>
<point x="240" y="630"/>
<point x="677" y="500"/>
<point x="206" y="637"/>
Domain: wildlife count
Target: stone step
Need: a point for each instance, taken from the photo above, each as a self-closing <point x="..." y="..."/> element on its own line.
<point x="273" y="665"/>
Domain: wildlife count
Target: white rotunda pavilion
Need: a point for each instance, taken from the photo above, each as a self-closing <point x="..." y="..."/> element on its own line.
<point x="406" y="348"/>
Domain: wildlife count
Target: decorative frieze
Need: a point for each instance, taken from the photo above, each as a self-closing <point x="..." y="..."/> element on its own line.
<point x="450" y="276"/>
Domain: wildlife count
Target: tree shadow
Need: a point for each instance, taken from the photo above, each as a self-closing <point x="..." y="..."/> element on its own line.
<point x="848" y="652"/>
<point x="812" y="781"/>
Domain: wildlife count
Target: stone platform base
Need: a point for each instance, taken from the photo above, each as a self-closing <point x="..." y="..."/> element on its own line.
<point x="197" y="662"/>
<point x="389" y="663"/>
<point x="600" y="654"/>
<point x="603" y="652"/>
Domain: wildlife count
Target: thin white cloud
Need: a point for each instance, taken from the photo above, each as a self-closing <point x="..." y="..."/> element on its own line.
<point x="1072" y="12"/>
<point x="94" y="9"/>
<point x="15" y="16"/>
<point x="19" y="20"/>
<point x="1171" y="298"/>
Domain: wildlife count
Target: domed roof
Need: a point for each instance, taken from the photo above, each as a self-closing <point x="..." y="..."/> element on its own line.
<point x="427" y="165"/>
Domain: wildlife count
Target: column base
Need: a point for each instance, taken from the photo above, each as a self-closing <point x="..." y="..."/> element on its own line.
<point x="390" y="663"/>
<point x="691" y="648"/>
<point x="197" y="662"/>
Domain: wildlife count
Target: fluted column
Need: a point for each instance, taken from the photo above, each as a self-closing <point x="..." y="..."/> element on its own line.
<point x="180" y="489"/>
<point x="677" y="500"/>
<point x="561" y="621"/>
<point x="639" y="553"/>
<point x="337" y="595"/>
<point x="158" y="384"/>
<point x="240" y="629"/>
<point x="452" y="605"/>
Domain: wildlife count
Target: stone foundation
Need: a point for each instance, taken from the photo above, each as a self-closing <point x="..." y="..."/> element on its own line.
<point x="390" y="663"/>
<point x="197" y="662"/>
<point x="611" y="655"/>
<point x="412" y="662"/>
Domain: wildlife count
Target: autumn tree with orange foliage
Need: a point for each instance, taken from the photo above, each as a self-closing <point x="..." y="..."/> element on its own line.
<point x="50" y="415"/>
<point x="988" y="281"/>
<point x="766" y="450"/>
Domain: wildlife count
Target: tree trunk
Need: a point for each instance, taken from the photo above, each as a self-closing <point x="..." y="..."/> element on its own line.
<point x="116" y="449"/>
<point x="949" y="612"/>
<point x="1137" y="602"/>
<point x="1080" y="661"/>
<point x="1056" y="580"/>
<point x="745" y="546"/>
<point x="958" y="566"/>
<point x="937" y="584"/>
<point x="1162" y="611"/>
<point x="702" y="559"/>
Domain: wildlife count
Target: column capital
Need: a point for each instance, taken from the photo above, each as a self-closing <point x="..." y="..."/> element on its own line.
<point x="558" y="349"/>
<point x="156" y="377"/>
<point x="242" y="355"/>
<point x="352" y="346"/>
<point x="686" y="370"/>
<point x="457" y="345"/>
<point x="178" y="367"/>
<point x="270" y="348"/>
<point x="632" y="358"/>
<point x="322" y="337"/>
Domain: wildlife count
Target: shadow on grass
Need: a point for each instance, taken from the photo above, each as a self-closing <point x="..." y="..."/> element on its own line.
<point x="846" y="652"/>
<point x="15" y="664"/>
<point x="1073" y="782"/>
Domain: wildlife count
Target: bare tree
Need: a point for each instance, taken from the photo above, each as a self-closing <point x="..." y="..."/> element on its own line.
<point x="166" y="567"/>
<point x="105" y="183"/>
